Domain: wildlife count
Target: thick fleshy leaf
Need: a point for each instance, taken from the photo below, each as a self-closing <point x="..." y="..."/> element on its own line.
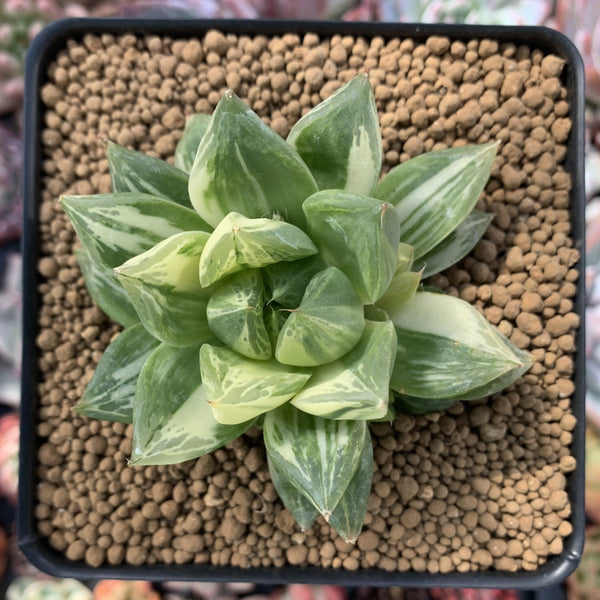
<point x="402" y="288"/>
<point x="235" y="315"/>
<point x="357" y="234"/>
<point x="172" y="419"/>
<point x="348" y="516"/>
<point x="115" y="227"/>
<point x="286" y="281"/>
<point x="239" y="243"/>
<point x="274" y="317"/>
<point x="111" y="392"/>
<point x="133" y="171"/>
<point x="244" y="166"/>
<point x="105" y="289"/>
<point x="456" y="245"/>
<point x="186" y="149"/>
<point x="294" y="500"/>
<point x="326" y="325"/>
<point x="357" y="385"/>
<point x="421" y="406"/>
<point x="406" y="256"/>
<point x="239" y="388"/>
<point x="164" y="288"/>
<point x="340" y="140"/>
<point x="317" y="456"/>
<point x="434" y="192"/>
<point x="441" y="336"/>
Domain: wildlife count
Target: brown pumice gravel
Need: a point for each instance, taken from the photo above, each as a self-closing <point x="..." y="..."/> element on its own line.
<point x="479" y="486"/>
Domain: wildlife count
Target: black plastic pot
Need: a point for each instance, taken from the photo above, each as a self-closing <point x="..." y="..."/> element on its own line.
<point x="35" y="546"/>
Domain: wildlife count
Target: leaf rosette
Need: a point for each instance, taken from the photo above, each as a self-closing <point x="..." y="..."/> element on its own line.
<point x="262" y="280"/>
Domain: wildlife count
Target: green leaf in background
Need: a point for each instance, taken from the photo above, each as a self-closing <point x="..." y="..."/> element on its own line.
<point x="357" y="385"/>
<point x="133" y="171"/>
<point x="274" y="317"/>
<point x="164" y="288"/>
<point x="105" y="289"/>
<point x="340" y="141"/>
<point x="348" y="516"/>
<point x="235" y="315"/>
<point x="186" y="149"/>
<point x="240" y="388"/>
<point x="294" y="500"/>
<point x="457" y="244"/>
<point x="111" y="392"/>
<point x="317" y="456"/>
<point x="326" y="325"/>
<point x="421" y="406"/>
<point x="115" y="227"/>
<point x="286" y="281"/>
<point x="434" y="192"/>
<point x="447" y="349"/>
<point x="357" y="234"/>
<point x="239" y="243"/>
<point x="172" y="419"/>
<point x="244" y="166"/>
<point x="402" y="288"/>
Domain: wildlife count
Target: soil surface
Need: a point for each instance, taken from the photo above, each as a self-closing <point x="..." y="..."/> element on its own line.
<point x="479" y="486"/>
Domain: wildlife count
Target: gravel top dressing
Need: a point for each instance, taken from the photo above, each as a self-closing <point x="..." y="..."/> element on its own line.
<point x="479" y="486"/>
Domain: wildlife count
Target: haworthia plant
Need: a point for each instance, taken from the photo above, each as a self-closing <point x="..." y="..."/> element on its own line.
<point x="279" y="282"/>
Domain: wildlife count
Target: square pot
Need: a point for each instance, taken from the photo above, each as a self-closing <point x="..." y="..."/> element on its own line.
<point x="65" y="525"/>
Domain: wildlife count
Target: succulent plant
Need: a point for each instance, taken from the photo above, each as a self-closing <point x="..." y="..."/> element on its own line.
<point x="276" y="283"/>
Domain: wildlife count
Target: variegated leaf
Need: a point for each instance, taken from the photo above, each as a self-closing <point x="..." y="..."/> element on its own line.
<point x="434" y="192"/>
<point x="172" y="419"/>
<point x="186" y="149"/>
<point x="244" y="166"/>
<point x="111" y="392"/>
<point x="457" y="244"/>
<point x="294" y="500"/>
<point x="274" y="317"/>
<point x="326" y="325"/>
<point x="402" y="288"/>
<point x="286" y="281"/>
<point x="239" y="388"/>
<point x="357" y="385"/>
<point x="340" y="140"/>
<point x="317" y="456"/>
<point x="239" y="243"/>
<point x="235" y="315"/>
<point x="348" y="516"/>
<point x="105" y="289"/>
<point x="164" y="288"/>
<point x="440" y="337"/>
<point x="115" y="227"/>
<point x="133" y="171"/>
<point x="357" y="234"/>
<point x="421" y="406"/>
<point x="406" y="256"/>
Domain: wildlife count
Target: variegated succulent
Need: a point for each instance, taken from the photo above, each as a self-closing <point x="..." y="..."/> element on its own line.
<point x="276" y="283"/>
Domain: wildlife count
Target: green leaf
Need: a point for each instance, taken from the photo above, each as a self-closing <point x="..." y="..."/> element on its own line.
<point x="357" y="234"/>
<point x="447" y="349"/>
<point x="317" y="456"/>
<point x="348" y="516"/>
<point x="111" y="392"/>
<point x="421" y="406"/>
<point x="115" y="227"/>
<point x="235" y="315"/>
<point x="457" y="244"/>
<point x="357" y="385"/>
<point x="186" y="149"/>
<point x="105" y="289"/>
<point x="172" y="419"/>
<point x="275" y="317"/>
<point x="244" y="166"/>
<point x="401" y="290"/>
<point x="326" y="325"/>
<point x="133" y="171"/>
<point x="286" y="281"/>
<point x="240" y="388"/>
<point x="164" y="288"/>
<point x="239" y="243"/>
<point x="340" y="140"/>
<point x="406" y="256"/>
<point x="434" y="192"/>
<point x="293" y="499"/>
